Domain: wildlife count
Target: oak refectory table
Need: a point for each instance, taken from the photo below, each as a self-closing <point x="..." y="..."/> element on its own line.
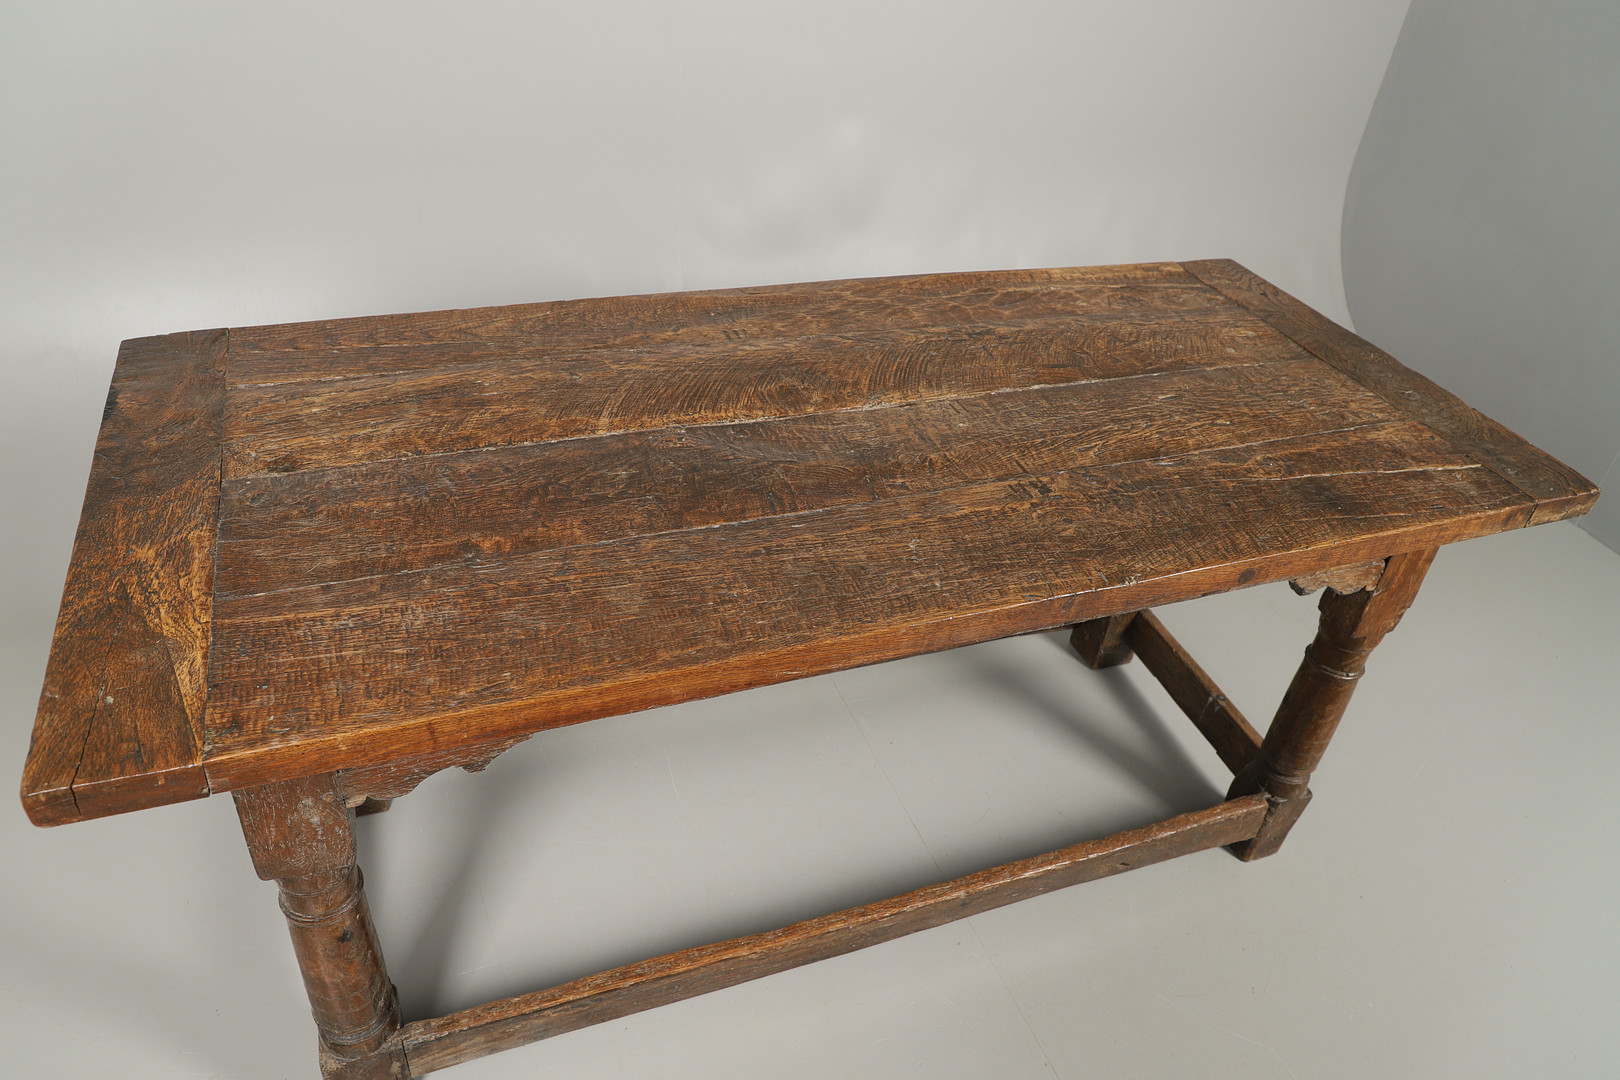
<point x="319" y="562"/>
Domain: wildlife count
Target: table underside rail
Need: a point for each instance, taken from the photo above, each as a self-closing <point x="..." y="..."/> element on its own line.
<point x="1111" y="641"/>
<point x="429" y="1045"/>
<point x="501" y="1025"/>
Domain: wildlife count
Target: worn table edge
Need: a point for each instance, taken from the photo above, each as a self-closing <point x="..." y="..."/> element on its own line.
<point x="1557" y="490"/>
<point x="119" y="725"/>
<point x="228" y="768"/>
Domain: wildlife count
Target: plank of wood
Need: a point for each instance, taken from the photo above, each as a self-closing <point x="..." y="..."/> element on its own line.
<point x="533" y="395"/>
<point x="853" y="302"/>
<point x="120" y="716"/>
<point x="317" y="526"/>
<point x="1559" y="491"/>
<point x="354" y="673"/>
<point x="1235" y="740"/>
<point x="485" y="1029"/>
<point x="688" y="325"/>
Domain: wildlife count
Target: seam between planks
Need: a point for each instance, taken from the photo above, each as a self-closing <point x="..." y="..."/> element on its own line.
<point x="968" y="482"/>
<point x="361" y="743"/>
<point x="698" y="425"/>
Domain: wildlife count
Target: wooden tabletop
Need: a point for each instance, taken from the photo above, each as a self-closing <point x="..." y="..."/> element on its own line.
<point x="338" y="544"/>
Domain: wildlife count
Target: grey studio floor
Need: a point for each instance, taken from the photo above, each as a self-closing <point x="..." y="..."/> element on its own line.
<point x="1445" y="909"/>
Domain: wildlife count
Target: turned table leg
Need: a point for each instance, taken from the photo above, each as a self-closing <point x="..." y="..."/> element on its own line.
<point x="299" y="834"/>
<point x="1352" y="624"/>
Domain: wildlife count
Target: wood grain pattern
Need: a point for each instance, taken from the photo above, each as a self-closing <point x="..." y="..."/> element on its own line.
<point x="519" y="398"/>
<point x="346" y="670"/>
<point x="436" y="1044"/>
<point x="296" y="828"/>
<point x="120" y="716"/>
<point x="620" y="329"/>
<point x="308" y="528"/>
<point x="789" y="309"/>
<point x="1559" y="491"/>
